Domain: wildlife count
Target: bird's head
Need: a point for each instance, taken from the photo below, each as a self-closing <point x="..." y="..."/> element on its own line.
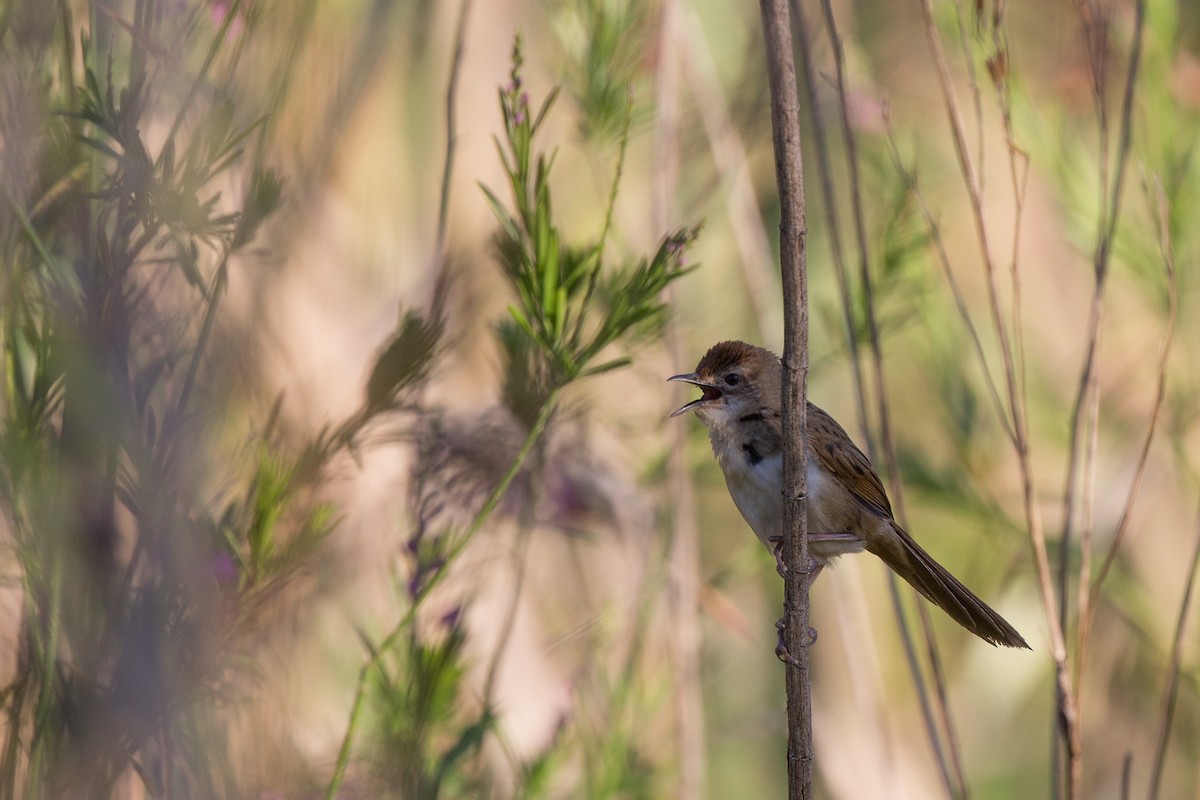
<point x="736" y="379"/>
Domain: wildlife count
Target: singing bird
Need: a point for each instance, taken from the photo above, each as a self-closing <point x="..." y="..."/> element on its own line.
<point x="848" y="510"/>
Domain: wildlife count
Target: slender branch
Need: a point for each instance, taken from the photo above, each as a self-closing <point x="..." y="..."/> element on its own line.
<point x="684" y="580"/>
<point x="1086" y="408"/>
<point x="825" y="173"/>
<point x="733" y="165"/>
<point x="451" y="555"/>
<point x="960" y="300"/>
<point x="1171" y="692"/>
<point x="793" y="232"/>
<point x="1066" y="711"/>
<point x="951" y="770"/>
<point x="1107" y="231"/>
<point x="460" y="34"/>
<point x="1162" y="216"/>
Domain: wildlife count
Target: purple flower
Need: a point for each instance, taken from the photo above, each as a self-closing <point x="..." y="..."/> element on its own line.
<point x="223" y="568"/>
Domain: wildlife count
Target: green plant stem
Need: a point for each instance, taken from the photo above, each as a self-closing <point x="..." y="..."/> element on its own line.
<point x="231" y="12"/>
<point x="189" y="380"/>
<point x="49" y="658"/>
<point x="594" y="273"/>
<point x="489" y="506"/>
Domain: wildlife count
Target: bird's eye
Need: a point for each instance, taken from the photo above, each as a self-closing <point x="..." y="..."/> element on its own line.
<point x="732" y="379"/>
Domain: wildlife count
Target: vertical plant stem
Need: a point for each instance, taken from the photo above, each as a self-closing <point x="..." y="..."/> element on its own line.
<point x="520" y="560"/>
<point x="1088" y="387"/>
<point x="1158" y="200"/>
<point x="825" y="173"/>
<point x="1066" y="715"/>
<point x="1081" y="463"/>
<point x="793" y="233"/>
<point x="477" y="522"/>
<point x="683" y="587"/>
<point x="949" y="767"/>
<point x="1171" y="692"/>
<point x="733" y="164"/>
<point x="173" y="422"/>
<point x="451" y="128"/>
<point x="49" y="669"/>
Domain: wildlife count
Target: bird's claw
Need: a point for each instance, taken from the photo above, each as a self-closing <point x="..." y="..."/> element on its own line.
<point x="777" y="551"/>
<point x="781" y="649"/>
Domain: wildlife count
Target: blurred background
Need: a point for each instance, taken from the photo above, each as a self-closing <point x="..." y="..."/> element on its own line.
<point x="336" y="451"/>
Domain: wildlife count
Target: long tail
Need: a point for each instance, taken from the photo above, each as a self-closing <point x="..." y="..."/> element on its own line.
<point x="945" y="591"/>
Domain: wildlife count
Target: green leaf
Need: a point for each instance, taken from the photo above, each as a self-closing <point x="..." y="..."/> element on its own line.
<point x="263" y="198"/>
<point x="502" y="216"/>
<point x="523" y="323"/>
<point x="102" y="147"/>
<point x="404" y="362"/>
<point x="607" y="366"/>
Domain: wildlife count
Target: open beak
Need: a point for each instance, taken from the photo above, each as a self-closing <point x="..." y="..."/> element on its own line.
<point x="711" y="392"/>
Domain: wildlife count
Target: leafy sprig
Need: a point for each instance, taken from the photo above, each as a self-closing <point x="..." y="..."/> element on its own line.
<point x="567" y="304"/>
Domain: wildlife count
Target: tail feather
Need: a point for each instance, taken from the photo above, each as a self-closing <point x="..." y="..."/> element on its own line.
<point x="935" y="582"/>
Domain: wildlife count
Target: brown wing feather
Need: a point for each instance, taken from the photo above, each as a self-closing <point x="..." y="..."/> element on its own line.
<point x="838" y="454"/>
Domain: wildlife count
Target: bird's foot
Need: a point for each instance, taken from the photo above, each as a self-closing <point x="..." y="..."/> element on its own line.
<point x="781" y="649"/>
<point x="777" y="550"/>
<point x="814" y="567"/>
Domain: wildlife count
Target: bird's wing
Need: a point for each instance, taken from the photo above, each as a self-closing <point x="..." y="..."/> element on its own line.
<point x="838" y="454"/>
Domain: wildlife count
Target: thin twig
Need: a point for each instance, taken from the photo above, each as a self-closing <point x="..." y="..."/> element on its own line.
<point x="1066" y="709"/>
<point x="825" y="173"/>
<point x="1162" y="216"/>
<point x="460" y="35"/>
<point x="943" y="257"/>
<point x="1170" y="693"/>
<point x="683" y="595"/>
<point x="733" y="165"/>
<point x="793" y="233"/>
<point x="451" y="555"/>
<point x="1109" y="214"/>
<point x="1083" y="421"/>
<point x="954" y="783"/>
<point x="951" y="770"/>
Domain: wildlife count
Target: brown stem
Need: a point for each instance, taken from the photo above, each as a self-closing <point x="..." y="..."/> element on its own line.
<point x="949" y="768"/>
<point x="793" y="232"/>
<point x="683" y="582"/>
<point x="1170" y="693"/>
<point x="1017" y="413"/>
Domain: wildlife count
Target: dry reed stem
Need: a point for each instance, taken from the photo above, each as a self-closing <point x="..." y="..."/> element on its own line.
<point x="1086" y="411"/>
<point x="943" y="258"/>
<point x="1065" y="693"/>
<point x="1167" y="252"/>
<point x="460" y="37"/>
<point x="683" y="596"/>
<point x="793" y="233"/>
<point x="733" y="165"/>
<point x="950" y="771"/>
<point x="1170" y="692"/>
<point x="829" y="196"/>
<point x="1110" y="211"/>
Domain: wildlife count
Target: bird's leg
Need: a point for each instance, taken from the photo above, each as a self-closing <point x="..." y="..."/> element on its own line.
<point x="777" y="551"/>
<point x="776" y="543"/>
<point x="781" y="649"/>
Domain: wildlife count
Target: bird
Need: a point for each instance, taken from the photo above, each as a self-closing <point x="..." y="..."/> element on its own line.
<point x="848" y="509"/>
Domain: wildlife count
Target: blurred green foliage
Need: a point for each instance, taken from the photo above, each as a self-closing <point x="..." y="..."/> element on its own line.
<point x="175" y="524"/>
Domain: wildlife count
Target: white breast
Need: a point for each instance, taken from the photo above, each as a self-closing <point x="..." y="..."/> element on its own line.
<point x="757" y="492"/>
